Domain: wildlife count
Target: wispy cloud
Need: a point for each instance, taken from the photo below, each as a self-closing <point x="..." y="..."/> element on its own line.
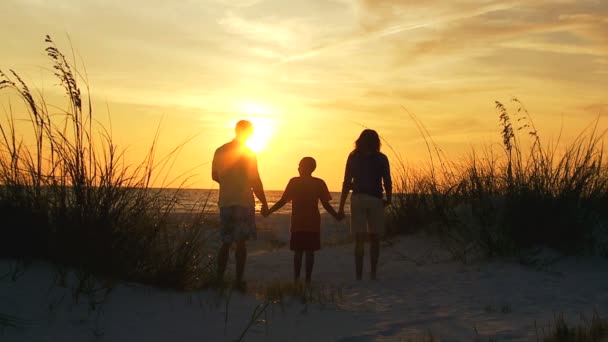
<point x="275" y="31"/>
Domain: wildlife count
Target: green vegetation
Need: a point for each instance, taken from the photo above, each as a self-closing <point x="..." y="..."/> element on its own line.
<point x="528" y="195"/>
<point x="68" y="196"/>
<point x="9" y="321"/>
<point x="594" y="330"/>
<point x="280" y="292"/>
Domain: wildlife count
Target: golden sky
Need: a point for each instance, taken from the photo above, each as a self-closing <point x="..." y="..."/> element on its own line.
<point x="318" y="71"/>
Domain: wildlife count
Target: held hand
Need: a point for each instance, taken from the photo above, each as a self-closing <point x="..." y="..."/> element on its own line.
<point x="340" y="216"/>
<point x="264" y="211"/>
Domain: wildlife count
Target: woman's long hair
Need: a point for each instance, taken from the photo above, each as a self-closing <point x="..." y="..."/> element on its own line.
<point x="369" y="141"/>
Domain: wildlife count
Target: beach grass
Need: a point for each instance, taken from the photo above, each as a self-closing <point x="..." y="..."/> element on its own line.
<point x="586" y="330"/>
<point x="527" y="194"/>
<point x="9" y="321"/>
<point x="281" y="292"/>
<point x="68" y="195"/>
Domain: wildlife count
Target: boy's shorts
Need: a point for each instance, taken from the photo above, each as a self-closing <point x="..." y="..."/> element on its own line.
<point x="305" y="241"/>
<point x="237" y="223"/>
<point x="366" y="214"/>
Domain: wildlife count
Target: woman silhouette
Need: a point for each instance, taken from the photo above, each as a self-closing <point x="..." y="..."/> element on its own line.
<point x="367" y="170"/>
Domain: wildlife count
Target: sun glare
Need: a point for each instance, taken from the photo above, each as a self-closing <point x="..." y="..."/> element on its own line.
<point x="262" y="132"/>
<point x="263" y="127"/>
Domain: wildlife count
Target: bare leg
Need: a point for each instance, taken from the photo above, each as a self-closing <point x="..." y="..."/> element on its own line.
<point x="297" y="264"/>
<point x="222" y="259"/>
<point x="241" y="257"/>
<point x="359" y="252"/>
<point x="310" y="262"/>
<point x="374" y="253"/>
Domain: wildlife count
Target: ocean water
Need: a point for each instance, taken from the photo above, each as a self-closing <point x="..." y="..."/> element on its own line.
<point x="195" y="198"/>
<point x="272" y="228"/>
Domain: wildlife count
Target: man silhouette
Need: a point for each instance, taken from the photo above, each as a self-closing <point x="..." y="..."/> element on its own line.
<point x="235" y="168"/>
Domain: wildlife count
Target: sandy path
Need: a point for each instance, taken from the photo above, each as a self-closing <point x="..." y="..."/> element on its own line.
<point x="447" y="298"/>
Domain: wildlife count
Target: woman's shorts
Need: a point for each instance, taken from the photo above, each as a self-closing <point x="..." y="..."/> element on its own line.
<point x="367" y="214"/>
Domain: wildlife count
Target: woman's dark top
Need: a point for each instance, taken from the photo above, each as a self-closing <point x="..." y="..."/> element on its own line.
<point x="365" y="173"/>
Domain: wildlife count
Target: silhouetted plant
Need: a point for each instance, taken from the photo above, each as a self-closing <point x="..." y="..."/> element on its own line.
<point x="73" y="199"/>
<point x="594" y="330"/>
<point x="500" y="205"/>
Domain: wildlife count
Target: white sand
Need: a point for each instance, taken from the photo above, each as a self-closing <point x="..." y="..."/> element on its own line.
<point x="449" y="299"/>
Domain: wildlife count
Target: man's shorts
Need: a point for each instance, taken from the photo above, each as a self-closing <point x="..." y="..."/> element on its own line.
<point x="367" y="214"/>
<point x="237" y="223"/>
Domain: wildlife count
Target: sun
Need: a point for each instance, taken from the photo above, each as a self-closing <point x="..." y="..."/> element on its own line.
<point x="263" y="125"/>
<point x="262" y="132"/>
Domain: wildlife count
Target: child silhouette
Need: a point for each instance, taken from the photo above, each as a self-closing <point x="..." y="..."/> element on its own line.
<point x="305" y="192"/>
